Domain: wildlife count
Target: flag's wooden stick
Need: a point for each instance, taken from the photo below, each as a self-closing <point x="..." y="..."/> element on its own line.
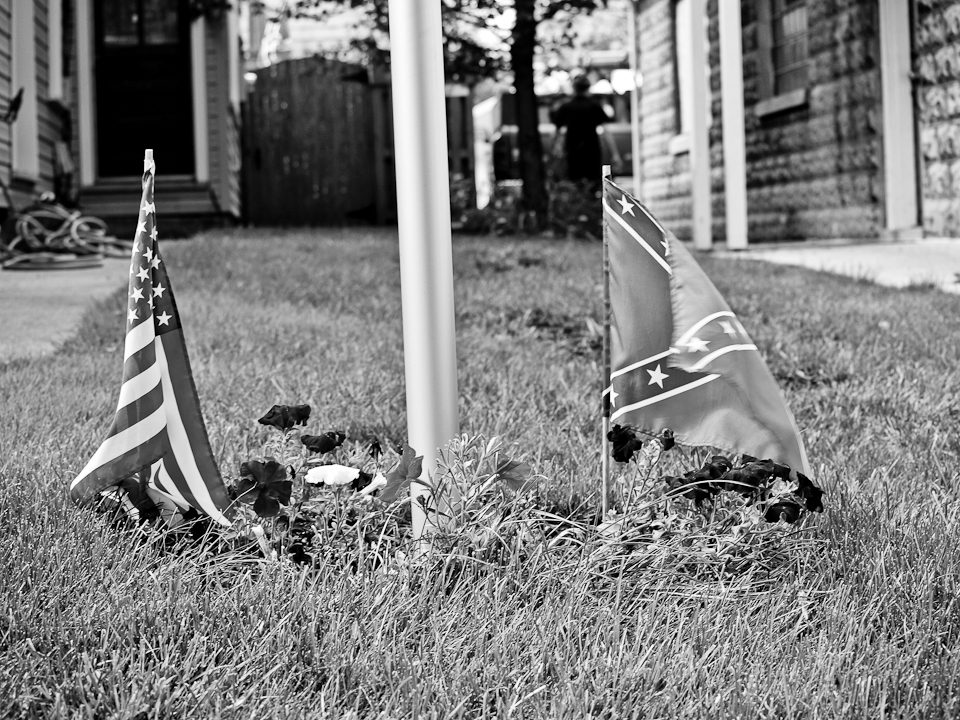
<point x="605" y="396"/>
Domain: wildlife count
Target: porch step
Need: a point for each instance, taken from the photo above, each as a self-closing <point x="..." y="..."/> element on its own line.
<point x="183" y="205"/>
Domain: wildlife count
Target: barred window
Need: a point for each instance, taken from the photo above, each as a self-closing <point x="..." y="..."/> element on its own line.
<point x="790" y="51"/>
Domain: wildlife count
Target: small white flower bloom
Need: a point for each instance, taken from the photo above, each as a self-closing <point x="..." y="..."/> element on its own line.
<point x="333" y="475"/>
<point x="379" y="480"/>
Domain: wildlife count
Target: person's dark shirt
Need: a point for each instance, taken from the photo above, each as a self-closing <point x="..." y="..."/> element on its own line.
<point x="581" y="116"/>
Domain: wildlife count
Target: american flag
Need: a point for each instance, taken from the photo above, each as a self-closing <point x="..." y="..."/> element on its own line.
<point x="157" y="451"/>
<point x="679" y="357"/>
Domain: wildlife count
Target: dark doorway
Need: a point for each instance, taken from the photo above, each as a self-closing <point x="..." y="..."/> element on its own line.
<point x="143" y="87"/>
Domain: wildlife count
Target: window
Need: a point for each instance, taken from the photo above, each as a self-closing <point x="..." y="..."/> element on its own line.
<point x="139" y="22"/>
<point x="790" y="52"/>
<point x="783" y="55"/>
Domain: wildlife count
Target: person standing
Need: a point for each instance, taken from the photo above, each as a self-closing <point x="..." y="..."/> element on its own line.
<point x="581" y="116"/>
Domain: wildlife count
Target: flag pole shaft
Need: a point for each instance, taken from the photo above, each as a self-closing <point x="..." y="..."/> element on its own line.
<point x="423" y="219"/>
<point x="605" y="396"/>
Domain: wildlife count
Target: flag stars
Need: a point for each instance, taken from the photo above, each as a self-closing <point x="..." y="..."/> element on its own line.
<point x="727" y="328"/>
<point x="153" y="233"/>
<point x="141" y="228"/>
<point x="158" y="290"/>
<point x="697" y="345"/>
<point x="137" y="294"/>
<point x="666" y="248"/>
<point x="613" y="396"/>
<point x="143" y="274"/>
<point x="148" y="254"/>
<point x="164" y="319"/>
<point x="155" y="263"/>
<point x="626" y="206"/>
<point x="132" y="315"/>
<point x="149" y="208"/>
<point x="656" y="376"/>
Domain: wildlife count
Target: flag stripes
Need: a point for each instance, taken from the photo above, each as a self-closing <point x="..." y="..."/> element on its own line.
<point x="708" y="383"/>
<point x="157" y="450"/>
<point x="666" y="395"/>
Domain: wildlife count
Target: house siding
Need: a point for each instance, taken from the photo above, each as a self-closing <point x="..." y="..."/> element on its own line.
<point x="816" y="171"/>
<point x="666" y="177"/>
<point x="937" y="45"/>
<point x="813" y="171"/>
<point x="50" y="120"/>
<point x="5" y="91"/>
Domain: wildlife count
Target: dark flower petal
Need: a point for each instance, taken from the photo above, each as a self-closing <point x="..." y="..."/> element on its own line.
<point x="266" y="505"/>
<point x="361" y="481"/>
<point x="281" y="491"/>
<point x="323" y="443"/>
<point x="375" y="450"/>
<point x="247" y="490"/>
<point x="812" y="495"/>
<point x="251" y="469"/>
<point x="273" y="472"/>
<point x="788" y="511"/>
<point x="284" y="417"/>
<point x="625" y="442"/>
<point x="667" y="440"/>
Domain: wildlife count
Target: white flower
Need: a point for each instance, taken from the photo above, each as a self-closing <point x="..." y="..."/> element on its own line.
<point x="379" y="480"/>
<point x="334" y="475"/>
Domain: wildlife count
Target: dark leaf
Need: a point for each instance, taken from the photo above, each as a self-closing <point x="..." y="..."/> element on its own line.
<point x="324" y="443"/>
<point x="514" y="474"/>
<point x="407" y="469"/>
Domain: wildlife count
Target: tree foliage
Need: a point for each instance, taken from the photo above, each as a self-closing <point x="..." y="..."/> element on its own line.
<point x="481" y="39"/>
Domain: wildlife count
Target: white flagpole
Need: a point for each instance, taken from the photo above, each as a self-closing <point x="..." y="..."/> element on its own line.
<point x="423" y="212"/>
<point x="634" y="100"/>
<point x="605" y="370"/>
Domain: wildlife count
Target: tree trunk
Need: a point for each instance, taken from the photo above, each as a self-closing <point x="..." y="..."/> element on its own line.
<point x="528" y="133"/>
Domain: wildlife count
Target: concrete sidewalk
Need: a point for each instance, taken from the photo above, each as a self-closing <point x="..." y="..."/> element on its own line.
<point x="39" y="309"/>
<point x="931" y="261"/>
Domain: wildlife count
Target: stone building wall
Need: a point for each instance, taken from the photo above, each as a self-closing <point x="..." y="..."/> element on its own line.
<point x="813" y="171"/>
<point x="937" y="70"/>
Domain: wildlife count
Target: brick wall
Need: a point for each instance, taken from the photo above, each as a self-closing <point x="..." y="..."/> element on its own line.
<point x="812" y="171"/>
<point x="937" y="68"/>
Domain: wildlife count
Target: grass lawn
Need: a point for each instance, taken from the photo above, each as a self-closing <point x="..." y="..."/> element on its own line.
<point x="96" y="623"/>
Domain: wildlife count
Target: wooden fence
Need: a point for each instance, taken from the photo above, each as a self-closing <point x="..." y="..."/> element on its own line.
<point x="318" y="139"/>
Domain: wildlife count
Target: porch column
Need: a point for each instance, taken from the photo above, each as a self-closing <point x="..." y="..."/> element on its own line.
<point x="85" y="129"/>
<point x="699" y="133"/>
<point x="734" y="140"/>
<point x="198" y="72"/>
<point x="899" y="137"/>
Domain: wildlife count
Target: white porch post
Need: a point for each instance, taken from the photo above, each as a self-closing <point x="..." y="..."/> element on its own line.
<point x="423" y="213"/>
<point x="734" y="141"/>
<point x="899" y="138"/>
<point x="198" y="74"/>
<point x="86" y="130"/>
<point x="634" y="100"/>
<point x="25" y="154"/>
<point x="699" y="133"/>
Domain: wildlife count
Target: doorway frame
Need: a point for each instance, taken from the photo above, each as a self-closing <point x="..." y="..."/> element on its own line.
<point x="86" y="97"/>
